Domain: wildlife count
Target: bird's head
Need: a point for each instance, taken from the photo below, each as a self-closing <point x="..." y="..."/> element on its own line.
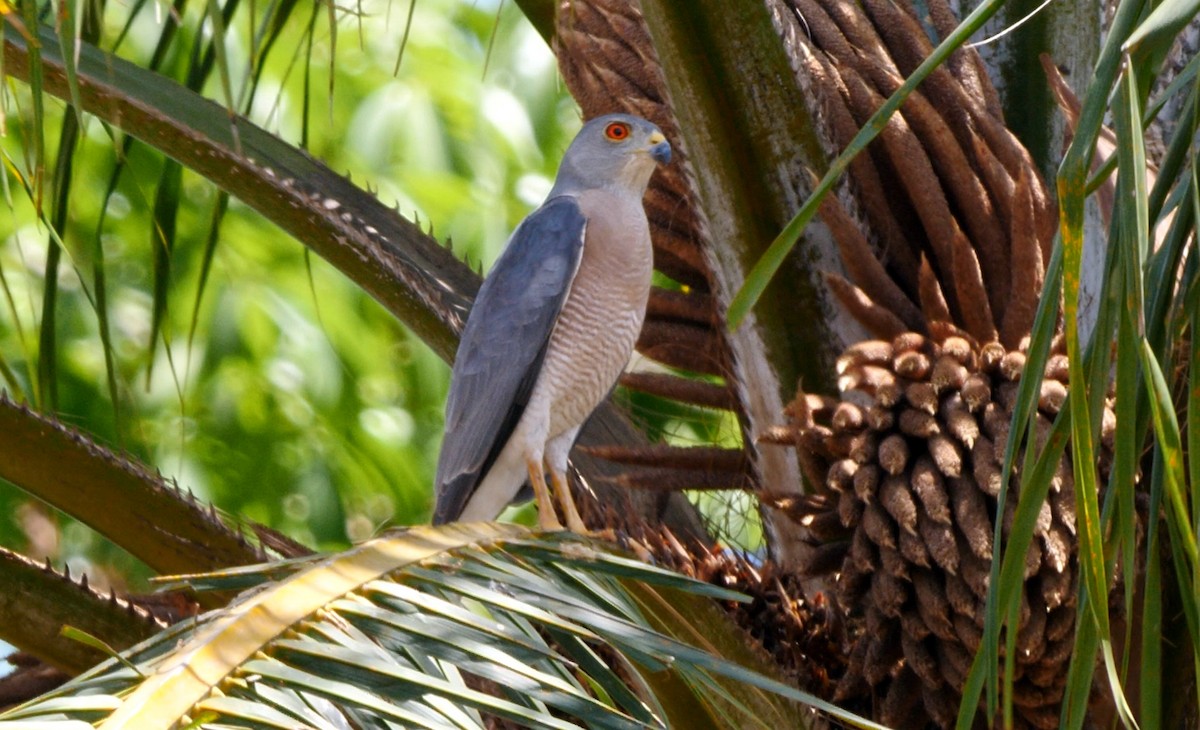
<point x="613" y="151"/>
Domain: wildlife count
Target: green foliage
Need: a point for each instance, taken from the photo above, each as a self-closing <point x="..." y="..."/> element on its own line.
<point x="257" y="376"/>
<point x="1142" y="350"/>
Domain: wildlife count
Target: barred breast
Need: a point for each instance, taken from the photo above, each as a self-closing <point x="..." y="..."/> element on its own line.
<point x="603" y="313"/>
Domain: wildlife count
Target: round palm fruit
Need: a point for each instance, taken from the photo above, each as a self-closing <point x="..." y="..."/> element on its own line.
<point x="909" y="459"/>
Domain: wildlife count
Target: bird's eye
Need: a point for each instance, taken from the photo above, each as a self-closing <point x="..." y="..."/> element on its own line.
<point x="617" y="131"/>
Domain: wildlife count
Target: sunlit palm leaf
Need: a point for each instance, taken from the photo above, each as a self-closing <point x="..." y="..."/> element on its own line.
<point x="391" y="632"/>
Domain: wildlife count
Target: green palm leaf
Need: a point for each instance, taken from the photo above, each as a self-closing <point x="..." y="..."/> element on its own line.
<point x="428" y="627"/>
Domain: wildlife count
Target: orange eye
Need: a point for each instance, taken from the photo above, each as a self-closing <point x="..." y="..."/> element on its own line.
<point x="617" y="131"/>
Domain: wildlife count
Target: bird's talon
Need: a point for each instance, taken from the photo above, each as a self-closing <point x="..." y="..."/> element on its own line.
<point x="639" y="549"/>
<point x="608" y="534"/>
<point x="549" y="525"/>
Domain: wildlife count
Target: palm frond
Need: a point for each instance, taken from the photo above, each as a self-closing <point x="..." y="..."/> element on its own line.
<point x="428" y="627"/>
<point x="51" y="600"/>
<point x="66" y="469"/>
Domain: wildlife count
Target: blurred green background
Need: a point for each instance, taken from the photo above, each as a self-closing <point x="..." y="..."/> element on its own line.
<point x="277" y="390"/>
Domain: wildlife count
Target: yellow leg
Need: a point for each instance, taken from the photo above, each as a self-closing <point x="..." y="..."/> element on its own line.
<point x="547" y="519"/>
<point x="563" y="491"/>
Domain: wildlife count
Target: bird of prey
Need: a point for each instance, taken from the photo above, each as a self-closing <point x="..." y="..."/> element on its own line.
<point x="551" y="329"/>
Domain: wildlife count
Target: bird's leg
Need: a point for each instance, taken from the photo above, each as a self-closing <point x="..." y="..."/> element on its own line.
<point x="547" y="519"/>
<point x="558" y="450"/>
<point x="562" y="490"/>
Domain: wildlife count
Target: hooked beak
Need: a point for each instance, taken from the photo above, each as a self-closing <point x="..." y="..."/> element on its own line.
<point x="660" y="148"/>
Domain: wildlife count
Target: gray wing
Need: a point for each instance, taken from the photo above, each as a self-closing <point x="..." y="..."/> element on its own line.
<point x="502" y="347"/>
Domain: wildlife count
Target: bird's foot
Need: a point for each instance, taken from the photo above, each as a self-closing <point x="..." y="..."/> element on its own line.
<point x="548" y="521"/>
<point x="638" y="548"/>
<point x="608" y="534"/>
<point x="575" y="524"/>
<point x="562" y="491"/>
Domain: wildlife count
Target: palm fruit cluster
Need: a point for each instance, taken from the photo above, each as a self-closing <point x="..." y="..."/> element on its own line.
<point x="908" y="464"/>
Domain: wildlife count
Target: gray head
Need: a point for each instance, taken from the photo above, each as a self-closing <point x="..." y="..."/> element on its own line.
<point x="615" y="151"/>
